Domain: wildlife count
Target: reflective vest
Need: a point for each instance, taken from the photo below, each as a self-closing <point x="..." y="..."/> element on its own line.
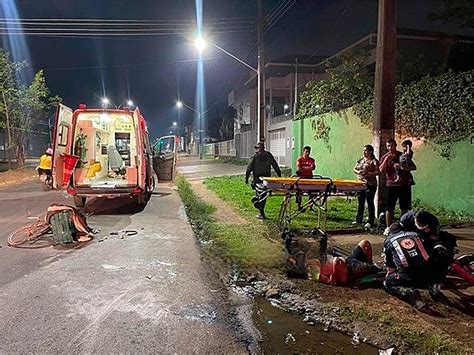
<point x="45" y="162"/>
<point x="405" y="250"/>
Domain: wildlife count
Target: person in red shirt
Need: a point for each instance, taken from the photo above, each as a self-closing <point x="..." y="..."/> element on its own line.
<point x="304" y="169"/>
<point x="305" y="164"/>
<point x="397" y="187"/>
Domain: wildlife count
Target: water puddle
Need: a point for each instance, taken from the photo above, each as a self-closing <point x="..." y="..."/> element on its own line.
<point x="286" y="333"/>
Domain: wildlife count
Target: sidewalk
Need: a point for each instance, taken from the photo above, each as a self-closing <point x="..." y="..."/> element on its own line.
<point x="17" y="176"/>
<point x="193" y="168"/>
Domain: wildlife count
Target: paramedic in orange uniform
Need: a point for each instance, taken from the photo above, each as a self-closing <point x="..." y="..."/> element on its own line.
<point x="304" y="169"/>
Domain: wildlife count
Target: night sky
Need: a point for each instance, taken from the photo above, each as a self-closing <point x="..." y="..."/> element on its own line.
<point x="153" y="71"/>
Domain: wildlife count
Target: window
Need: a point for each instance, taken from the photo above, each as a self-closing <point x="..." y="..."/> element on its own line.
<point x="63" y="135"/>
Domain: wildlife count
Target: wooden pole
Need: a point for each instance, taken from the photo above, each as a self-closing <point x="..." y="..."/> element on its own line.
<point x="384" y="100"/>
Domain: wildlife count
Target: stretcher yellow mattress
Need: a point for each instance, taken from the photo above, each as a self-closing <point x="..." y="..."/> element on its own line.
<point x="317" y="184"/>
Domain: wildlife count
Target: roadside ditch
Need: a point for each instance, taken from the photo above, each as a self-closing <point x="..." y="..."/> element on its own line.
<point x="292" y="315"/>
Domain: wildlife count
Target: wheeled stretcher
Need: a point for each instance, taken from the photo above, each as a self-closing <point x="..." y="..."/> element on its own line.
<point x="318" y="189"/>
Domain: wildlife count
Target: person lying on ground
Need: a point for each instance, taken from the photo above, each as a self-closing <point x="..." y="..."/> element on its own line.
<point x="334" y="270"/>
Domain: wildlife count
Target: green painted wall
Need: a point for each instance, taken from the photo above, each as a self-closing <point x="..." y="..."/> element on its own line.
<point x="439" y="182"/>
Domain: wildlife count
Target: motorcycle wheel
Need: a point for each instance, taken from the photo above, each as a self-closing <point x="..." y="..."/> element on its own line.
<point x="45" y="182"/>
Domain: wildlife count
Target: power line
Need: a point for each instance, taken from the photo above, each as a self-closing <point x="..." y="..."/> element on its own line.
<point x="105" y="30"/>
<point x="89" y="34"/>
<point x="121" y="21"/>
<point x="288" y="7"/>
<point x="129" y="65"/>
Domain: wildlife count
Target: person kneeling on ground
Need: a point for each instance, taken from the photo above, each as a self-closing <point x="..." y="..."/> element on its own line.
<point x="407" y="266"/>
<point x="336" y="270"/>
<point x="440" y="246"/>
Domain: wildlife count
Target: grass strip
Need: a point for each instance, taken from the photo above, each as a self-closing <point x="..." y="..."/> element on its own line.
<point x="248" y="245"/>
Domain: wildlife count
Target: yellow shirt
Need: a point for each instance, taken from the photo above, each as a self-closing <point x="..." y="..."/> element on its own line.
<point x="45" y="162"/>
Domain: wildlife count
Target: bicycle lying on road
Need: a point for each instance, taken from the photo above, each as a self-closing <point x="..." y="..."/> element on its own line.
<point x="30" y="236"/>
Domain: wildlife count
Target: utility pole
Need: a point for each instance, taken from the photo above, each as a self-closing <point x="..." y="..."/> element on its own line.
<point x="260" y="75"/>
<point x="384" y="100"/>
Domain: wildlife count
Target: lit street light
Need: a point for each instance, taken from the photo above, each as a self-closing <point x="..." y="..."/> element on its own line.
<point x="179" y="104"/>
<point x="200" y="44"/>
<point x="175" y="123"/>
<point x="105" y="102"/>
<point x="129" y="103"/>
<point x="285" y="107"/>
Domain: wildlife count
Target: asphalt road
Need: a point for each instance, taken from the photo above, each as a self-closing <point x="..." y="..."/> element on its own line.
<point x="149" y="292"/>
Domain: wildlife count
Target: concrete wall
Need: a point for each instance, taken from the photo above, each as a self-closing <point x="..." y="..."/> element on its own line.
<point x="439" y="182"/>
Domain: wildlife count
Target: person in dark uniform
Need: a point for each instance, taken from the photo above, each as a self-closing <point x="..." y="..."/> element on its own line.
<point x="260" y="166"/>
<point x="407" y="266"/>
<point x="440" y="246"/>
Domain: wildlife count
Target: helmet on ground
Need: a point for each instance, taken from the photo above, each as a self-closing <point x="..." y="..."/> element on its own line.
<point x="49" y="151"/>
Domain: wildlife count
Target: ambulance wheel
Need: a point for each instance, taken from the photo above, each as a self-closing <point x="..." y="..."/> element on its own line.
<point x="142" y="198"/>
<point x="79" y="201"/>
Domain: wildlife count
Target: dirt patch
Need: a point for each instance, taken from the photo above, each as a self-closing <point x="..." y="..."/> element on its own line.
<point x="224" y="213"/>
<point x="17" y="176"/>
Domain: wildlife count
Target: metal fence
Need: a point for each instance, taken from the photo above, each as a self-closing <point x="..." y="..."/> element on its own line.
<point x="220" y="149"/>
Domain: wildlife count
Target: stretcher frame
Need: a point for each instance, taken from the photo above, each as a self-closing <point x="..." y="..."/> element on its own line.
<point x="318" y="189"/>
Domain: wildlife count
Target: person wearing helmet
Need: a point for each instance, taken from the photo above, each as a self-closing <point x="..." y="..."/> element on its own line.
<point x="46" y="162"/>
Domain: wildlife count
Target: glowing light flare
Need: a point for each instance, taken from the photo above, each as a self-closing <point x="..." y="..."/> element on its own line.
<point x="200" y="44"/>
<point x="14" y="41"/>
<point x="179" y="104"/>
<point x="130" y="103"/>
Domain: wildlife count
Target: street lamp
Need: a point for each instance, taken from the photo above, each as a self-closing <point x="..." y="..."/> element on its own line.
<point x="129" y="103"/>
<point x="105" y="102"/>
<point x="175" y="123"/>
<point x="200" y="44"/>
<point x="179" y="104"/>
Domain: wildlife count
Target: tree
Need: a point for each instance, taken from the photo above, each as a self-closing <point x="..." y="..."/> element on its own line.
<point x="21" y="105"/>
<point x="226" y="130"/>
<point x="460" y="12"/>
<point x="31" y="103"/>
<point x="349" y="82"/>
<point x="8" y="71"/>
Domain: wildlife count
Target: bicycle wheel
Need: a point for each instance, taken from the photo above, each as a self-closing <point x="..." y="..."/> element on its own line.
<point x="19" y="236"/>
<point x="31" y="236"/>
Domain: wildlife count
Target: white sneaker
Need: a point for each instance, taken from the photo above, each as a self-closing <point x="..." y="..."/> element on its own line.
<point x="386" y="231"/>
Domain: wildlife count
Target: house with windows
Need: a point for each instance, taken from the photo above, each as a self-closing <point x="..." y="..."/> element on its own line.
<point x="419" y="53"/>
